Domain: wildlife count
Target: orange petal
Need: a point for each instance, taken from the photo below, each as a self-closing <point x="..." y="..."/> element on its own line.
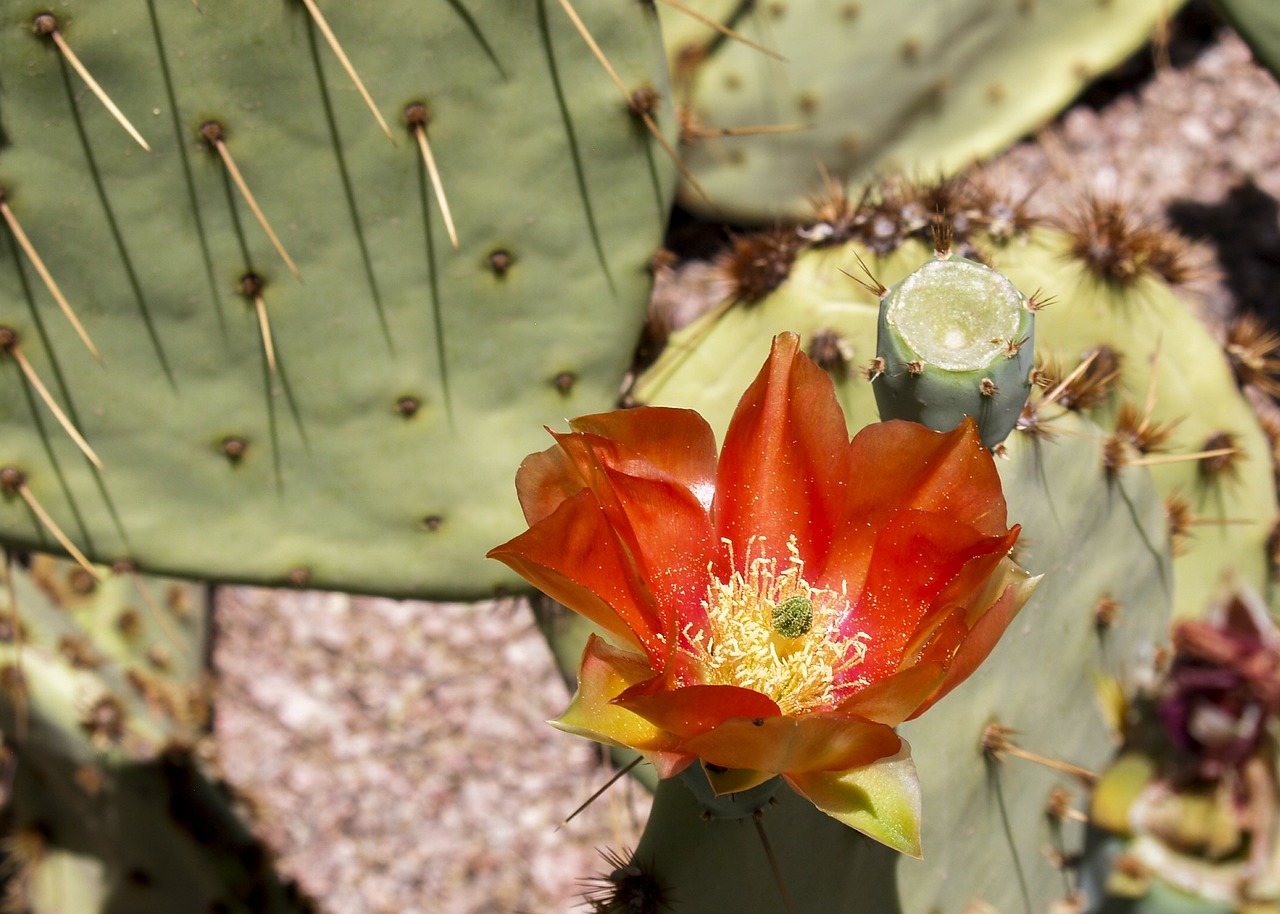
<point x="676" y="443"/>
<point x="960" y="604"/>
<point x="694" y="709"/>
<point x="575" y="557"/>
<point x="1014" y="586"/>
<point x="605" y="673"/>
<point x="909" y="466"/>
<point x="665" y="528"/>
<point x="895" y="698"/>
<point x="814" y="742"/>
<point x="544" y="481"/>
<point x="916" y="557"/>
<point x="881" y="800"/>
<point x="679" y="442"/>
<point x="783" y="468"/>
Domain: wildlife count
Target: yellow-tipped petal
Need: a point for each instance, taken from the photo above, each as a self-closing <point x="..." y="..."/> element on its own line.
<point x="881" y="800"/>
<point x="735" y="780"/>
<point x="605" y="673"/>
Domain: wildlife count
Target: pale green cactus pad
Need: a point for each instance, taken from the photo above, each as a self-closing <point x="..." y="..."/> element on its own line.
<point x="410" y="378"/>
<point x="1150" y="325"/>
<point x="110" y="671"/>
<point x="103" y="701"/>
<point x="918" y="87"/>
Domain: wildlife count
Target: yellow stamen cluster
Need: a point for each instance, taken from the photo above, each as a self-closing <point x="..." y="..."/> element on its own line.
<point x="745" y="645"/>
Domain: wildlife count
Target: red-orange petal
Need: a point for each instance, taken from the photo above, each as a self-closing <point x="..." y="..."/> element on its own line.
<point x="812" y="742"/>
<point x="916" y="557"/>
<point x="897" y="697"/>
<point x="575" y="557"/>
<point x="679" y="442"/>
<point x="1014" y="586"/>
<point x="907" y="465"/>
<point x="544" y="481"/>
<point x="783" y="468"/>
<point x="665" y="528"/>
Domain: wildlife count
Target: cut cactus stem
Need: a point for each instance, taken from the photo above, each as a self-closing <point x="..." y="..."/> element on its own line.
<point x="956" y="338"/>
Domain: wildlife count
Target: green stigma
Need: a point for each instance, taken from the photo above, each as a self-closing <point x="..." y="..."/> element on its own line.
<point x="793" y="617"/>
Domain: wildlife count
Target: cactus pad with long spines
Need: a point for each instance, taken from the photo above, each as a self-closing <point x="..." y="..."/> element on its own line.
<point x="370" y="446"/>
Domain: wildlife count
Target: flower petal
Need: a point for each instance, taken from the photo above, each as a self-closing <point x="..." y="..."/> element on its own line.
<point x="1014" y="586"/>
<point x="679" y="442"/>
<point x="606" y="672"/>
<point x="897" y="697"/>
<point x="917" y="556"/>
<point x="815" y="742"/>
<point x="783" y="468"/>
<point x="659" y="442"/>
<point x="694" y="709"/>
<point x="881" y="800"/>
<point x="909" y="466"/>
<point x="735" y="780"/>
<point x="544" y="481"/>
<point x="575" y="557"/>
<point x="665" y="528"/>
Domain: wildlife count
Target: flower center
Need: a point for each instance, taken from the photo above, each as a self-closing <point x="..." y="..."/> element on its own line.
<point x="793" y="617"/>
<point x="770" y="630"/>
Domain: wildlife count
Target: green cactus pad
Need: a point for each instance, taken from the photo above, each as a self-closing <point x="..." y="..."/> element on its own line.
<point x="1168" y="358"/>
<point x="956" y="340"/>
<point x="410" y="378"/>
<point x="1095" y="538"/>
<point x="880" y="87"/>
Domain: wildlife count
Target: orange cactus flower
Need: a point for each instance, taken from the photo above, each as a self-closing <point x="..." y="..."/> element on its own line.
<point x="780" y="610"/>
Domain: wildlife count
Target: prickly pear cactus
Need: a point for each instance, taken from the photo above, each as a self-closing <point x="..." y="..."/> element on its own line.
<point x="104" y="701"/>
<point x="354" y="425"/>
<point x="869" y="88"/>
<point x="1171" y="392"/>
<point x="1100" y="613"/>
<point x="1103" y="508"/>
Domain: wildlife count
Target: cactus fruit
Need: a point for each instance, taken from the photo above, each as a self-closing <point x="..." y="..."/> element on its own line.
<point x="952" y="83"/>
<point x="955" y="338"/>
<point x="356" y="429"/>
